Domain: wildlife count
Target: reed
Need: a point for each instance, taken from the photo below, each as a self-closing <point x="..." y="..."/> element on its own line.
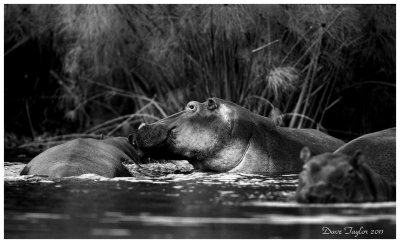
<point x="127" y="64"/>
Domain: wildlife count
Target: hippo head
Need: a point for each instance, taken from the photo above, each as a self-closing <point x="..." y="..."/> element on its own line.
<point x="212" y="136"/>
<point x="332" y="178"/>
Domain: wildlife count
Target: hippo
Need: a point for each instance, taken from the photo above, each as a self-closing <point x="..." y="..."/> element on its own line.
<point x="221" y="136"/>
<point x="341" y="178"/>
<point x="379" y="149"/>
<point x="84" y="156"/>
<point x="362" y="170"/>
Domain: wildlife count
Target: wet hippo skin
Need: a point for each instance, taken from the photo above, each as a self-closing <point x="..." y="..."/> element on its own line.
<point x="379" y="150"/>
<point x="221" y="136"/>
<point x="84" y="156"/>
<point x="362" y="170"/>
<point x="342" y="178"/>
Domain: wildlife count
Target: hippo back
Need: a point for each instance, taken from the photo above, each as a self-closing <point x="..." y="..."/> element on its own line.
<point x="290" y="141"/>
<point x="83" y="156"/>
<point x="276" y="149"/>
<point x="379" y="149"/>
<point x="317" y="141"/>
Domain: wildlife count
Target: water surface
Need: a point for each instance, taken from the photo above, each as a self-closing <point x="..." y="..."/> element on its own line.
<point x="195" y="205"/>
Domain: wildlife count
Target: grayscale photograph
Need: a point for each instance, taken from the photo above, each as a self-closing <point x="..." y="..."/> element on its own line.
<point x="199" y="121"/>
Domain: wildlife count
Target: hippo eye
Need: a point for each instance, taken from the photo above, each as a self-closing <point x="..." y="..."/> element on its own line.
<point x="351" y="172"/>
<point x="191" y="106"/>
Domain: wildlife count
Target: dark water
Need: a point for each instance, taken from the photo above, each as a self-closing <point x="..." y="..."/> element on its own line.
<point x="197" y="205"/>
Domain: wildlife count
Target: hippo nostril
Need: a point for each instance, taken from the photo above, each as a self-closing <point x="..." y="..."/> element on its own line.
<point x="312" y="198"/>
<point x="212" y="104"/>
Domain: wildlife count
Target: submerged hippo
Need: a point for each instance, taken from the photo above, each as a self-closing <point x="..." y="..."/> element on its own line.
<point x="221" y="136"/>
<point x="363" y="170"/>
<point x="379" y="149"/>
<point x="84" y="156"/>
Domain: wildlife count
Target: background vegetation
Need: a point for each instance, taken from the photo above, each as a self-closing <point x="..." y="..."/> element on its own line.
<point x="103" y="69"/>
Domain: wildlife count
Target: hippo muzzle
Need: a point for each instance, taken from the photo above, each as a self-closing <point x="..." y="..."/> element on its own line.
<point x="154" y="138"/>
<point x="321" y="194"/>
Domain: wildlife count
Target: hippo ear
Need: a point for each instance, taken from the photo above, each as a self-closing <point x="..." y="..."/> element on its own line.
<point x="357" y="159"/>
<point x="305" y="154"/>
<point x="211" y="104"/>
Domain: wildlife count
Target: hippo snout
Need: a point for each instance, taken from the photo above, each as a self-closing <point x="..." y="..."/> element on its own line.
<point x="150" y="136"/>
<point x="313" y="198"/>
<point x="319" y="194"/>
<point x="148" y="139"/>
<point x="134" y="135"/>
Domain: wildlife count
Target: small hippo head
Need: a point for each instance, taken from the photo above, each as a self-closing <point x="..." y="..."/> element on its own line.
<point x="332" y="178"/>
<point x="209" y="135"/>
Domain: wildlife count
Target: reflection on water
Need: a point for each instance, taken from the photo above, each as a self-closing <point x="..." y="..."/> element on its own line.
<point x="196" y="205"/>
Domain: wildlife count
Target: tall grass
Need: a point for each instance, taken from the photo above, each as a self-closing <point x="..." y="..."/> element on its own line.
<point x="142" y="62"/>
